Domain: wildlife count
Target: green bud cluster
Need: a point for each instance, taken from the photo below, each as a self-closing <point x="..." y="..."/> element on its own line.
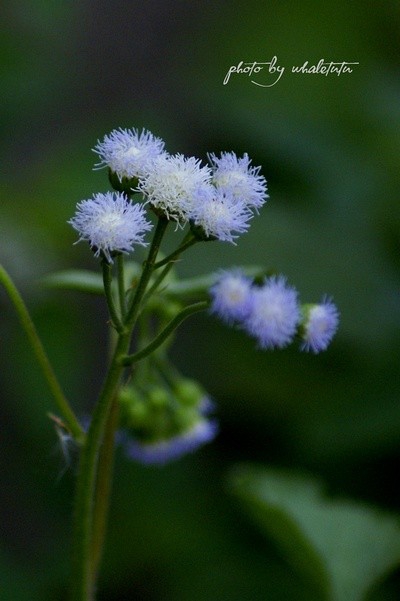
<point x="160" y="411"/>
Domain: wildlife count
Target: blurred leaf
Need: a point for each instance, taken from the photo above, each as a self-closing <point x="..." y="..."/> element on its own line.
<point x="75" y="279"/>
<point x="341" y="548"/>
<point x="83" y="280"/>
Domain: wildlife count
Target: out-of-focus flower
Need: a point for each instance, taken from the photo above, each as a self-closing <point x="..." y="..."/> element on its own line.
<point x="274" y="314"/>
<point x="164" y="450"/>
<point x="320" y="324"/>
<point x="231" y="296"/>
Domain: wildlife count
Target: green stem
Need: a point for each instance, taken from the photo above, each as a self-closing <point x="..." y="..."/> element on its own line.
<point x="148" y="268"/>
<point x="47" y="370"/>
<point x="167" y="331"/>
<point x="103" y="488"/>
<point x="157" y="282"/>
<point x="88" y="528"/>
<point x="83" y="578"/>
<point x="188" y="241"/>
<point x="121" y="284"/>
<point x="107" y="280"/>
<point x="169" y="262"/>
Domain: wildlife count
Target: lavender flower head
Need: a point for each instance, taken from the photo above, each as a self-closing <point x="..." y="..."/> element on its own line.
<point x="162" y="451"/>
<point x="171" y="183"/>
<point x="320" y="326"/>
<point x="235" y="176"/>
<point x="127" y="152"/>
<point x="110" y="223"/>
<point x="274" y="314"/>
<point x="231" y="296"/>
<point x="219" y="214"/>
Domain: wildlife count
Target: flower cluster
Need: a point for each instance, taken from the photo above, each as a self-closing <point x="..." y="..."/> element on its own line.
<point x="164" y="416"/>
<point x="218" y="200"/>
<point x="271" y="312"/>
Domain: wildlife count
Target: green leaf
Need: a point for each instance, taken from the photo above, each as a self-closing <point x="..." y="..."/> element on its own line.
<point x="75" y="279"/>
<point x="341" y="548"/>
<point x="83" y="280"/>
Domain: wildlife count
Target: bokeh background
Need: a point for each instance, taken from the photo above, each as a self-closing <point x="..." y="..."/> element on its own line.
<point x="329" y="147"/>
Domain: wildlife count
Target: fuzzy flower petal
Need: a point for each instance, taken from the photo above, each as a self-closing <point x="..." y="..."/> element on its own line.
<point x="171" y="183"/>
<point x="127" y="152"/>
<point x="166" y="450"/>
<point x="321" y="324"/>
<point x="231" y="296"/>
<point x="274" y="314"/>
<point x="235" y="176"/>
<point x="111" y="223"/>
<point x="219" y="215"/>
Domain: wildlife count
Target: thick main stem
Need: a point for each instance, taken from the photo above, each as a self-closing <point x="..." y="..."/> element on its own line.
<point x="88" y="529"/>
<point x="83" y="578"/>
<point x="103" y="488"/>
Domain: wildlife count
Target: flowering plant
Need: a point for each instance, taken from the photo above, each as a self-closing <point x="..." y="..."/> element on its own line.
<point x="154" y="412"/>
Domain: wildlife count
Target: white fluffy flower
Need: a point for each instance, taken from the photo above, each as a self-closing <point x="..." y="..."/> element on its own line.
<point x="170" y="185"/>
<point x="219" y="215"/>
<point x="127" y="152"/>
<point x="235" y="176"/>
<point x="111" y="223"/>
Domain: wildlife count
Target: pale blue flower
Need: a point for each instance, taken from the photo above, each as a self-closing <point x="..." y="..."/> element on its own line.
<point x="161" y="451"/>
<point x="127" y="152"/>
<point x="274" y="314"/>
<point x="219" y="214"/>
<point x="236" y="177"/>
<point x="231" y="296"/>
<point x="171" y="183"/>
<point x="110" y="223"/>
<point x="319" y="327"/>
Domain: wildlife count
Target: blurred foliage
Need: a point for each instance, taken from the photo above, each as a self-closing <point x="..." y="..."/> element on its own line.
<point x="329" y="147"/>
<point x="340" y="548"/>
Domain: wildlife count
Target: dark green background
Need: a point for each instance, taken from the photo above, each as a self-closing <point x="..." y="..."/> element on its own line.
<point x="329" y="147"/>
